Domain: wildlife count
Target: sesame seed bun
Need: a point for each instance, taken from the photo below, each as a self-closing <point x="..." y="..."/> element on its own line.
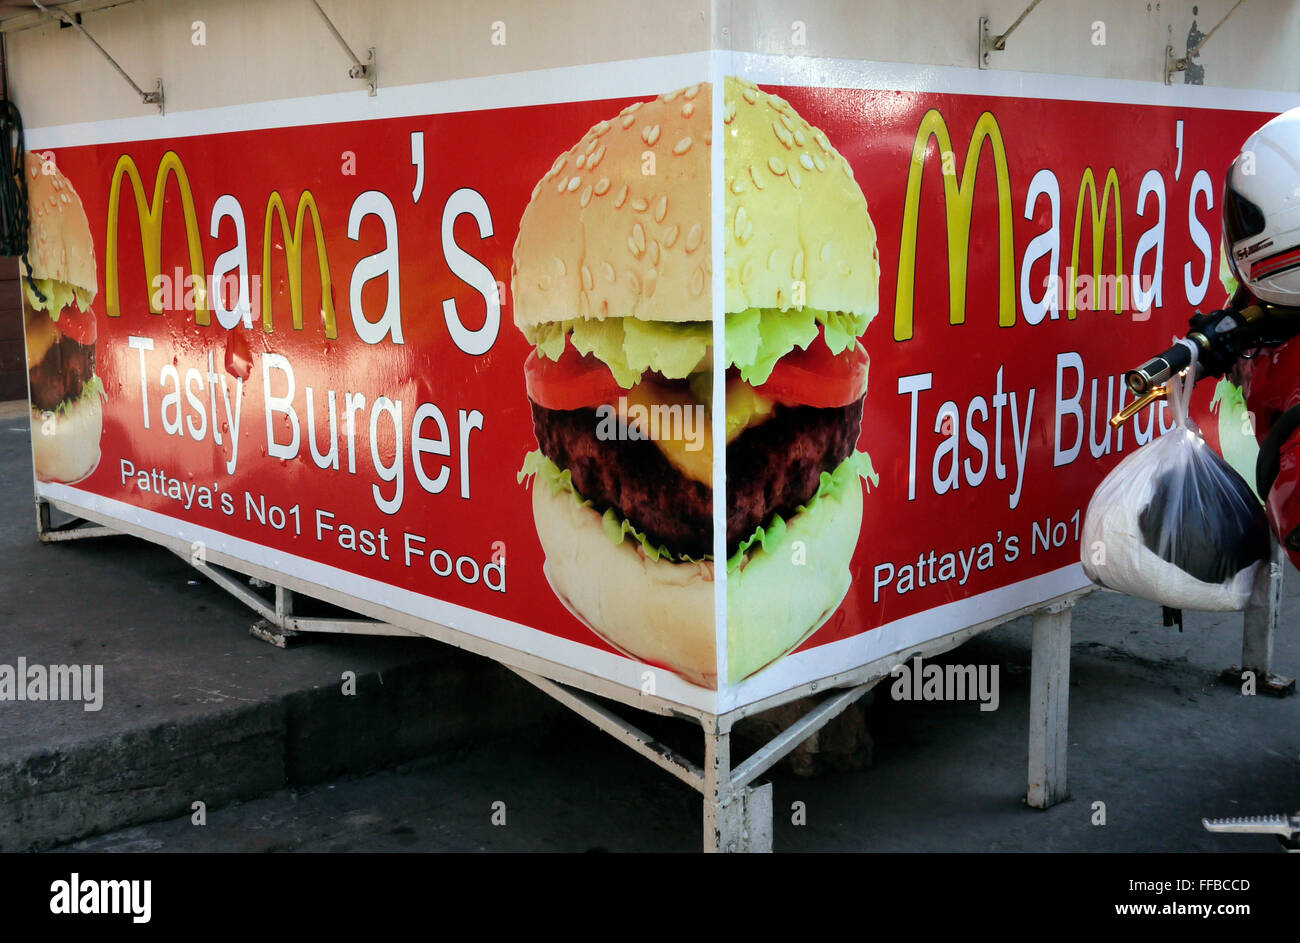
<point x="66" y="447"/>
<point x="777" y="599"/>
<point x="605" y="237"/>
<point x="59" y="244"/>
<point x="794" y="212"/>
<point x="609" y="235"/>
<point x="653" y="610"/>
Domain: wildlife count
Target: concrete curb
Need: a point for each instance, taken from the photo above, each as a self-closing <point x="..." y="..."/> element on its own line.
<point x="440" y="706"/>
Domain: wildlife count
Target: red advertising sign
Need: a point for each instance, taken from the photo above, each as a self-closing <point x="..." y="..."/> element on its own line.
<point x="991" y="380"/>
<point x="421" y="362"/>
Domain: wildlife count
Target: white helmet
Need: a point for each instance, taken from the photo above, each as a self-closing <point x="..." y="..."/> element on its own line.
<point x="1261" y="212"/>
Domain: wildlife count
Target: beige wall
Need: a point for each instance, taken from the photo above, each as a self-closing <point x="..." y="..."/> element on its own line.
<point x="273" y="49"/>
<point x="1259" y="47"/>
<point x="260" y="50"/>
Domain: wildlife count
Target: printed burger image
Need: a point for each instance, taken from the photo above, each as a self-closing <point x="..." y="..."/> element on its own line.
<point x="59" y="279"/>
<point x="803" y="275"/>
<point x="612" y="285"/>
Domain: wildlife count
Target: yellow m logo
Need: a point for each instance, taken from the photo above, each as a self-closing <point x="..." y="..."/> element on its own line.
<point x="1088" y="185"/>
<point x="293" y="261"/>
<point x="958" y="201"/>
<point x="150" y="214"/>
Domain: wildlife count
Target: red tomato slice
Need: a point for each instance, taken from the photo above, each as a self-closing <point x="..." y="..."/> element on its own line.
<point x="572" y="382"/>
<point x="816" y="377"/>
<point x="77" y="324"/>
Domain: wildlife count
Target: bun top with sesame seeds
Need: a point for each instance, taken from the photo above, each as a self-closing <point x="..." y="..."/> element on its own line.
<point x="620" y="224"/>
<point x="798" y="233"/>
<point x="59" y="244"/>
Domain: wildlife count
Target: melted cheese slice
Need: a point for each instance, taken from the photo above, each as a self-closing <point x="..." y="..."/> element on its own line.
<point x="41" y="336"/>
<point x="682" y="428"/>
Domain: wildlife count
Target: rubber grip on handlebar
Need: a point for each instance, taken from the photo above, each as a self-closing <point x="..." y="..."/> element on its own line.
<point x="1158" y="369"/>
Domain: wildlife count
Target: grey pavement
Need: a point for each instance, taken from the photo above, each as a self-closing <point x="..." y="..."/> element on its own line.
<point x="194" y="709"/>
<point x="1153" y="735"/>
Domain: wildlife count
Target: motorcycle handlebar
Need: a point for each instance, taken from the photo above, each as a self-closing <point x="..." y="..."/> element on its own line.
<point x="1158" y="369"/>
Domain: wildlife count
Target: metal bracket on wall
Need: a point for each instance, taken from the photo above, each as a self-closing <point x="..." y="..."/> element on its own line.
<point x="359" y="70"/>
<point x="149" y="98"/>
<point x="989" y="44"/>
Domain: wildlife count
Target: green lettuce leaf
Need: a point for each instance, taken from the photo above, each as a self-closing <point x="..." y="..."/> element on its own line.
<point x="1226" y="279"/>
<point x="549" y="339"/>
<point x="858" y="465"/>
<point x="842" y="329"/>
<point x="57" y="296"/>
<point x="617" y="528"/>
<point x="1237" y="442"/>
<point x="628" y="346"/>
<point x="758" y="337"/>
<point x="92" y="387"/>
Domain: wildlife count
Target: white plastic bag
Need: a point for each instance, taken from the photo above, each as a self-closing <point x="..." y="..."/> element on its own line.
<point x="1174" y="523"/>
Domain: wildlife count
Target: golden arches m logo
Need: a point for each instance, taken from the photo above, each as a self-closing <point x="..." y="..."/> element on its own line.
<point x="1088" y="186"/>
<point x="959" y="200"/>
<point x="293" y="260"/>
<point x="150" y="214"/>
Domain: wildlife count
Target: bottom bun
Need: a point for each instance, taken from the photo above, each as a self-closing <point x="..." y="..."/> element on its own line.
<point x="777" y="597"/>
<point x="658" y="612"/>
<point x="65" y="447"/>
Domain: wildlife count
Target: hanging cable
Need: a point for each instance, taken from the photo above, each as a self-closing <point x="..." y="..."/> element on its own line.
<point x="13" y="184"/>
<point x="13" y="190"/>
<point x="14" y="218"/>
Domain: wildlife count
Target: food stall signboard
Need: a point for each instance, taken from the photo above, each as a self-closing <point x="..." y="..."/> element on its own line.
<point x="734" y="376"/>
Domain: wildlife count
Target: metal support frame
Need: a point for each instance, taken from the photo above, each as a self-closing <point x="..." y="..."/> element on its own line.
<point x="359" y="70"/>
<point x="627" y="734"/>
<point x="1049" y="706"/>
<point x="279" y="625"/>
<point x="1175" y="64"/>
<point x="149" y="98"/>
<point x="76" y="529"/>
<point x="737" y="806"/>
<point x="989" y="44"/>
<point x="737" y="811"/>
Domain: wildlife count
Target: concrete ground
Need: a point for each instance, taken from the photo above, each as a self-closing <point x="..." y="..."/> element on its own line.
<point x="1153" y="735"/>
<point x="195" y="710"/>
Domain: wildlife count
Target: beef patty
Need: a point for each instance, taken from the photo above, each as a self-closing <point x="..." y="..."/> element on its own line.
<point x="61" y="374"/>
<point x="772" y="468"/>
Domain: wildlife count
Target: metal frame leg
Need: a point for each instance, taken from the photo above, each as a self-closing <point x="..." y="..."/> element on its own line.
<point x="737" y="808"/>
<point x="283" y="604"/>
<point x="1049" y="706"/>
<point x="1257" y="633"/>
<point x="737" y="816"/>
<point x="278" y="625"/>
<point x="75" y="529"/>
<point x="720" y="831"/>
